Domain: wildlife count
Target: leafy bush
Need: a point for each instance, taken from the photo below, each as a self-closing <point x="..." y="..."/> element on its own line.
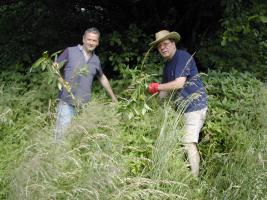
<point x="126" y="51"/>
<point x="26" y="105"/>
<point x="109" y="156"/>
<point x="242" y="42"/>
<point x="235" y="133"/>
<point x="131" y="150"/>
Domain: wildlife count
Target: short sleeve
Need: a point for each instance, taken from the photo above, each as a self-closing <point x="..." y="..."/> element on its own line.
<point x="99" y="70"/>
<point x="184" y="65"/>
<point x="63" y="57"/>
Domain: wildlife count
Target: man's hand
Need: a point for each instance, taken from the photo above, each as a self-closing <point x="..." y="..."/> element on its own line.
<point x="153" y="88"/>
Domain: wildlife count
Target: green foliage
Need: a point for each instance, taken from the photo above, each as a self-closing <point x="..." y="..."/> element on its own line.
<point x="48" y="63"/>
<point x="242" y="42"/>
<point x="109" y="156"/>
<point x="130" y="150"/>
<point x="26" y="105"/>
<point x="74" y="169"/>
<point x="17" y="33"/>
<point x="30" y="27"/>
<point x="126" y="49"/>
<point x="231" y="97"/>
<point x="134" y="104"/>
<point x="233" y="136"/>
<point x="135" y="68"/>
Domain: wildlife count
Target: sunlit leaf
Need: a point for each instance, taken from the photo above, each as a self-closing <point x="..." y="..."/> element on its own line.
<point x="144" y="110"/>
<point x="130" y="115"/>
<point x="263" y="19"/>
<point x="147" y="107"/>
<point x="38" y="62"/>
<point x="59" y="85"/>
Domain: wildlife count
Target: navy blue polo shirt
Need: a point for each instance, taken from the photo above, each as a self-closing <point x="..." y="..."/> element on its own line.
<point x="193" y="93"/>
<point x="79" y="73"/>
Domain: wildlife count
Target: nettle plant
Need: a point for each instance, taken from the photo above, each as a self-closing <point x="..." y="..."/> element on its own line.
<point x="54" y="75"/>
<point x="46" y="63"/>
<point x="234" y="110"/>
<point x="128" y="55"/>
<point x="135" y="98"/>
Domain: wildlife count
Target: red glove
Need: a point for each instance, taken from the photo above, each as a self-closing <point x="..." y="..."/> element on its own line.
<point x="153" y="88"/>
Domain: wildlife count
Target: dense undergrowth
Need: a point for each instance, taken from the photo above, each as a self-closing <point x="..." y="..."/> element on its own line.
<point x="131" y="150"/>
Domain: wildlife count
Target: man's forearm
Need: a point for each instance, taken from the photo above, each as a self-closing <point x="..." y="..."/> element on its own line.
<point x="172" y="85"/>
<point x="105" y="83"/>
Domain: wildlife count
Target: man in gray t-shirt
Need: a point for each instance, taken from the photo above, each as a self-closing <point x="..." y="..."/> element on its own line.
<point x="81" y="66"/>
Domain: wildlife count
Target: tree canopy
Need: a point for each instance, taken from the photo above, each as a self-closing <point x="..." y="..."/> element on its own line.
<point x="213" y="28"/>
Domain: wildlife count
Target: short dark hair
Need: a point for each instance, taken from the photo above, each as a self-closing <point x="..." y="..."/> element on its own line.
<point x="92" y="30"/>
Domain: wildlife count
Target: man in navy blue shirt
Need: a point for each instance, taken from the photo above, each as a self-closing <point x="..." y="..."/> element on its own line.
<point x="81" y="65"/>
<point x="180" y="75"/>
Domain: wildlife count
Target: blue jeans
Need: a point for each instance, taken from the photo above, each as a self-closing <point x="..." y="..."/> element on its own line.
<point x="65" y="113"/>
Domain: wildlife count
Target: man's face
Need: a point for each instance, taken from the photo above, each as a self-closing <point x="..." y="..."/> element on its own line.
<point x="167" y="49"/>
<point x="90" y="41"/>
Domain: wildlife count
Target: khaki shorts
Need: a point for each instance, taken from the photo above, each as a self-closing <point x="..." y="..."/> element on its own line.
<point x="193" y="123"/>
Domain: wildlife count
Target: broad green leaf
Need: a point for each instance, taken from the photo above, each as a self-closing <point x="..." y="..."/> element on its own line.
<point x="37" y="63"/>
<point x="147" y="107"/>
<point x="263" y="19"/>
<point x="144" y="110"/>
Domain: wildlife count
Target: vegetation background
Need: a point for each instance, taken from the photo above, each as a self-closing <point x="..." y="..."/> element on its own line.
<point x="131" y="150"/>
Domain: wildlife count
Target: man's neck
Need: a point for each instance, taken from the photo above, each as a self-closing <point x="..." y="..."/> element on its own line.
<point x="171" y="56"/>
<point x="87" y="54"/>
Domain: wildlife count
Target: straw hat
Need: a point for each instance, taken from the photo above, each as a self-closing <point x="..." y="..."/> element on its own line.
<point x="164" y="35"/>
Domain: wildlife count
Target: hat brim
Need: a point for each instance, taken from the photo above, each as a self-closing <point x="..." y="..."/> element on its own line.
<point x="172" y="35"/>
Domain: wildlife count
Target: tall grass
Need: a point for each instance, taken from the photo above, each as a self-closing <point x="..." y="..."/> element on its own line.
<point x="83" y="167"/>
<point x="92" y="163"/>
<point x="233" y="166"/>
<point x="108" y="156"/>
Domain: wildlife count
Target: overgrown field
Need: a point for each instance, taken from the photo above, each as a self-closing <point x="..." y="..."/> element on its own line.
<point x="132" y="150"/>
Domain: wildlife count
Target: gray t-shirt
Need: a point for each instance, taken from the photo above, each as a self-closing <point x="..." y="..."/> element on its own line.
<point x="79" y="73"/>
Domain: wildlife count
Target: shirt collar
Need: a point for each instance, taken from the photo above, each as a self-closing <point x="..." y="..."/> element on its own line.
<point x="80" y="47"/>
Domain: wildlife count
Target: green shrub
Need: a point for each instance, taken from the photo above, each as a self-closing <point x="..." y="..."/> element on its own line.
<point x="242" y="41"/>
<point x="234" y="132"/>
<point x="132" y="150"/>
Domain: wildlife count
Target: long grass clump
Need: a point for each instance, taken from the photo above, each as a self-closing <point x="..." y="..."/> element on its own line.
<point x="107" y="155"/>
